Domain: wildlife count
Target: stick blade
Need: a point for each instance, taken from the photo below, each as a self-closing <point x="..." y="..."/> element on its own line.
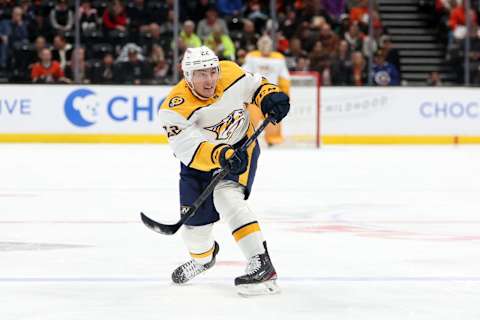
<point x="167" y="229"/>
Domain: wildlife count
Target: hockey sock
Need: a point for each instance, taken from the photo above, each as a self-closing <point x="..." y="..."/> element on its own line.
<point x="230" y="203"/>
<point x="199" y="241"/>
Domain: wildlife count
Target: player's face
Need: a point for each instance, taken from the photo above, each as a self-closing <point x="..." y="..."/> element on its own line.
<point x="205" y="81"/>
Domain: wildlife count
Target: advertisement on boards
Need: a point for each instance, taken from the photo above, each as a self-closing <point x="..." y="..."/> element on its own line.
<point x="81" y="109"/>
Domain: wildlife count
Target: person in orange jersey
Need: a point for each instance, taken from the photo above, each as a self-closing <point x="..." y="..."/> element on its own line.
<point x="47" y="70"/>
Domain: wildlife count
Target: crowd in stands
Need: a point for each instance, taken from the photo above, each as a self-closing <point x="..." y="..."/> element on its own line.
<point x="131" y="41"/>
<point x="451" y="24"/>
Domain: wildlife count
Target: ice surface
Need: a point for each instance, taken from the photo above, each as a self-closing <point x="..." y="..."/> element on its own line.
<point x="354" y="232"/>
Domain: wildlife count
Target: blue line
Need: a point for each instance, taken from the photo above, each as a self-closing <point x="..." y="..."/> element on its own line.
<point x="219" y="279"/>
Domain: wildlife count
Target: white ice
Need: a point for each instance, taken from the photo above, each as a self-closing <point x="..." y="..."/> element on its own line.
<point x="354" y="232"/>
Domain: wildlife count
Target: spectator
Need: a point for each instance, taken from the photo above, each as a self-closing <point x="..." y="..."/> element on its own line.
<point x="255" y="14"/>
<point x="241" y="55"/>
<point x="221" y="43"/>
<point x="301" y="25"/>
<point x="138" y="16"/>
<point x="434" y="79"/>
<point x="29" y="17"/>
<point x="319" y="57"/>
<point x="62" y="51"/>
<point x="61" y="18"/>
<point x="334" y="7"/>
<point x="78" y="59"/>
<point x="160" y="65"/>
<point x="88" y="16"/>
<point x="359" y="14"/>
<point x="329" y="39"/>
<point x="354" y="37"/>
<point x="294" y="53"/>
<point x="475" y="55"/>
<point x="343" y="25"/>
<point x="458" y="21"/>
<point x="229" y="7"/>
<point x="123" y="55"/>
<point x="441" y="16"/>
<point x="282" y="43"/>
<point x="377" y="22"/>
<point x="41" y="25"/>
<point x="39" y="45"/>
<point x="371" y="45"/>
<point x="46" y="70"/>
<point x="134" y="70"/>
<point x="315" y="8"/>
<point x="188" y="36"/>
<point x="156" y="38"/>
<point x="315" y="27"/>
<point x="303" y="33"/>
<point x="114" y="17"/>
<point x="357" y="74"/>
<point x="303" y="64"/>
<point x="391" y="54"/>
<point x="247" y="40"/>
<point x="195" y="10"/>
<point x="11" y="31"/>
<point x="6" y="8"/>
<point x="166" y="26"/>
<point x="105" y="72"/>
<point x="384" y="73"/>
<point x="205" y="26"/>
<point x="290" y="24"/>
<point x="341" y="64"/>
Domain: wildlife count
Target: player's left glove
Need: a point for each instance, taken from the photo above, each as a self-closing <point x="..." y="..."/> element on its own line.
<point x="236" y="161"/>
<point x="276" y="105"/>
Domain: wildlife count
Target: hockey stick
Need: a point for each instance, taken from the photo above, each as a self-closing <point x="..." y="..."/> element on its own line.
<point x="188" y="211"/>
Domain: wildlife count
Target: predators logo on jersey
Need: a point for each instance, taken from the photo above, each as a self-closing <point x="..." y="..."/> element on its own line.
<point x="227" y="126"/>
<point x="176" y="101"/>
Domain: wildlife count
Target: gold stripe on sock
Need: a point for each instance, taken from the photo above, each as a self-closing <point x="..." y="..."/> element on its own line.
<point x="204" y="254"/>
<point x="245" y="230"/>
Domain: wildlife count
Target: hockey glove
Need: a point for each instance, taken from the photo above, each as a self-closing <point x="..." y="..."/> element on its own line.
<point x="276" y="105"/>
<point x="236" y="161"/>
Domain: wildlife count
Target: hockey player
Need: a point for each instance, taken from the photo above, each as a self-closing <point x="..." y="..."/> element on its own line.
<point x="271" y="65"/>
<point x="205" y="119"/>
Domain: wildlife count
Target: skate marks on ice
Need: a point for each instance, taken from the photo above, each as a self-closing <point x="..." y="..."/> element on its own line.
<point x="6" y="246"/>
<point x="385" y="222"/>
<point x="216" y="298"/>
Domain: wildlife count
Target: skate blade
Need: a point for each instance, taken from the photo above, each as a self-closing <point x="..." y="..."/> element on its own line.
<point x="258" y="289"/>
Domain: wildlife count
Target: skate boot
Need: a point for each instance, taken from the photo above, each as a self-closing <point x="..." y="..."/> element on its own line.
<point x="260" y="277"/>
<point x="192" y="268"/>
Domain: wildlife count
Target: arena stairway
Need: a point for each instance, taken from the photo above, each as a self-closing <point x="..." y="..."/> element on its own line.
<point x="419" y="48"/>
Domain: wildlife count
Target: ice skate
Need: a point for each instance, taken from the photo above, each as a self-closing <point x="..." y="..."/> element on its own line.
<point x="192" y="268"/>
<point x="260" y="277"/>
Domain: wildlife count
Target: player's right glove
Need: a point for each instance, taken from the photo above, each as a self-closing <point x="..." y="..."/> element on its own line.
<point x="276" y="105"/>
<point x="235" y="160"/>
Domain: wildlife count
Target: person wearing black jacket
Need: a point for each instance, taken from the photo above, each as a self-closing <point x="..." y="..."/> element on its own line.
<point x="105" y="72"/>
<point x="134" y="71"/>
<point x="62" y="51"/>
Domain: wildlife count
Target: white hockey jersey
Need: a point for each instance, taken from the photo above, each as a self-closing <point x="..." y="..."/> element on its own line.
<point x="274" y="67"/>
<point x="195" y="127"/>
